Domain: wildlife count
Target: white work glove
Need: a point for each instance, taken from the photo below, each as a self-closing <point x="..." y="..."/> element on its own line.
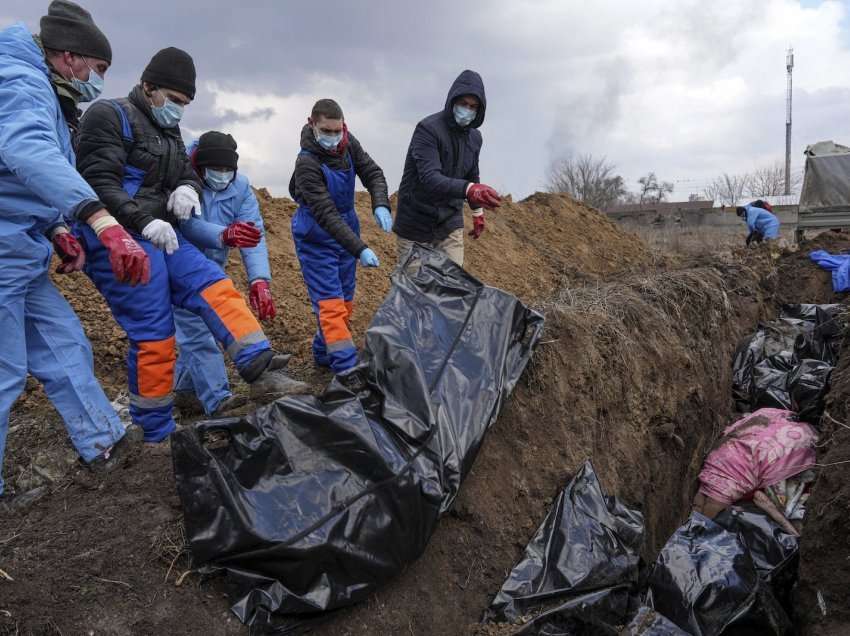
<point x="183" y="201"/>
<point x="162" y="235"/>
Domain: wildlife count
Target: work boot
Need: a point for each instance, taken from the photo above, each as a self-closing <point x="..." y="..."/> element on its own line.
<point x="274" y="383"/>
<point x="14" y="502"/>
<point x="228" y="404"/>
<point x="119" y="453"/>
<point x="356" y="380"/>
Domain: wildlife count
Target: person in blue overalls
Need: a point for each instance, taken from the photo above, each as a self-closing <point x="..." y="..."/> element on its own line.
<point x="326" y="230"/>
<point x="230" y="218"/>
<point x="761" y="222"/>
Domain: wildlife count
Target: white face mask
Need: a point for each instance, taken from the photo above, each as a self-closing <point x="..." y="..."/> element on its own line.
<point x="328" y="142"/>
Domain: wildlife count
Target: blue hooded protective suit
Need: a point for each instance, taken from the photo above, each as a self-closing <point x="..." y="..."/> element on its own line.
<point x="200" y="365"/>
<point x="38" y="186"/>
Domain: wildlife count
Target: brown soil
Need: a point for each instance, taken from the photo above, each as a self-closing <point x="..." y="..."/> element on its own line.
<point x="634" y="373"/>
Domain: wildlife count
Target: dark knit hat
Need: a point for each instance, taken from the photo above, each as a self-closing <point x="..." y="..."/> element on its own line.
<point x="172" y="68"/>
<point x="69" y="27"/>
<point x="216" y="149"/>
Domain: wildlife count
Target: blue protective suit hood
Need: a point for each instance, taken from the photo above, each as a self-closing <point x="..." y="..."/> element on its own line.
<point x="467" y="83"/>
<point x="16" y="42"/>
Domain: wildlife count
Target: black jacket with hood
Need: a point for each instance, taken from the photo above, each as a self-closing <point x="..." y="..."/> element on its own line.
<point x="159" y="153"/>
<point x="442" y="161"/>
<point x="308" y="185"/>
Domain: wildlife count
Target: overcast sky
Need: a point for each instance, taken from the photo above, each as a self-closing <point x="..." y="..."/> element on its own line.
<point x="688" y="89"/>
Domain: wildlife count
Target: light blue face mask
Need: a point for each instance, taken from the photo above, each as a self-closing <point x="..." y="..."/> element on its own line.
<point x="169" y="114"/>
<point x="328" y="142"/>
<point x="463" y="115"/>
<point x="218" y="180"/>
<point x="90" y="90"/>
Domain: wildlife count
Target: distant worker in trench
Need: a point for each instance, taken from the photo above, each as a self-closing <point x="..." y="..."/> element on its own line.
<point x="762" y="223"/>
<point x="441" y="171"/>
<point x="43" y="78"/>
<point x="326" y="230"/>
<point x="230" y="218"/>
<point x="132" y="154"/>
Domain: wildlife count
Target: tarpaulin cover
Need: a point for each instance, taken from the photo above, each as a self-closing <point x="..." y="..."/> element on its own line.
<point x="589" y="542"/>
<point x="311" y="503"/>
<point x="838" y="264"/>
<point x="705" y="581"/>
<point x="765" y="364"/>
<point x="808" y="385"/>
<point x="755" y="452"/>
<point x="826" y="183"/>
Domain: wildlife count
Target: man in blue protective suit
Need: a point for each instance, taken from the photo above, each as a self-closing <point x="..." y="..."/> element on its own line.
<point x="326" y="229"/>
<point x="42" y="79"/>
<point x="230" y="218"/>
<point x="761" y="222"/>
<point x="131" y="152"/>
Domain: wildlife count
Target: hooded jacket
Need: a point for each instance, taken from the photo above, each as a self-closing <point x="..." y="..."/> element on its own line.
<point x="221" y="208"/>
<point x="38" y="182"/>
<point x="441" y="162"/>
<point x="308" y="187"/>
<point x="157" y="157"/>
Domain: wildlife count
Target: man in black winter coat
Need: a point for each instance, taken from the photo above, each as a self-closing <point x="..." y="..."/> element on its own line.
<point x="441" y="170"/>
<point x="132" y="154"/>
<point x="326" y="229"/>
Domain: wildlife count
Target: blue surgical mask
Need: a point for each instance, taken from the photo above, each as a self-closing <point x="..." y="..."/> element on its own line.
<point x="169" y="114"/>
<point x="463" y="115"/>
<point x="90" y="90"/>
<point x="218" y="180"/>
<point x="328" y="142"/>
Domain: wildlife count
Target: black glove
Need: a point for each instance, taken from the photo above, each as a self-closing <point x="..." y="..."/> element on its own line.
<point x="750" y="238"/>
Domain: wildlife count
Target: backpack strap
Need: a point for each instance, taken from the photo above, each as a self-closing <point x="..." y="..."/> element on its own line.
<point x="126" y="128"/>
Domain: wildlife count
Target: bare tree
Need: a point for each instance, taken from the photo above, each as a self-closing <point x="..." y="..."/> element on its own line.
<point x="727" y="189"/>
<point x="587" y="179"/>
<point x="769" y="181"/>
<point x="653" y="191"/>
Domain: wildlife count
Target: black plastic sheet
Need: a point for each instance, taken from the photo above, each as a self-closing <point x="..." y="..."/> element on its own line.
<point x="808" y="385"/>
<point x="648" y="622"/>
<point x="779" y="361"/>
<point x="706" y="581"/>
<point x="311" y="503"/>
<point x="588" y="543"/>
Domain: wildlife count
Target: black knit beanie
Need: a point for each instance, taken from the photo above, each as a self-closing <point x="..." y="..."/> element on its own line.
<point x="172" y="68"/>
<point x="69" y="27"/>
<point x="216" y="149"/>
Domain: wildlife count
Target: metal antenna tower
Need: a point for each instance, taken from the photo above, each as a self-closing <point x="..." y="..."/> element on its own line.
<point x="789" y="67"/>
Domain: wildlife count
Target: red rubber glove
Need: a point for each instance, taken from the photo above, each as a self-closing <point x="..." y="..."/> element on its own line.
<point x="482" y="196"/>
<point x="261" y="300"/>
<point x="477" y="226"/>
<point x="130" y="263"/>
<point x="70" y="251"/>
<point x="241" y="234"/>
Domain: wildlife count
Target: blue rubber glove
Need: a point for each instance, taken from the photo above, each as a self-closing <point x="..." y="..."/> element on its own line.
<point x="384" y="218"/>
<point x="368" y="258"/>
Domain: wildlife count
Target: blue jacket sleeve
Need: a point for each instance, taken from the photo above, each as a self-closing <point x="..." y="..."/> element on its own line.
<point x="255" y="259"/>
<point x="203" y="234"/>
<point x="31" y="150"/>
<point x="426" y="155"/>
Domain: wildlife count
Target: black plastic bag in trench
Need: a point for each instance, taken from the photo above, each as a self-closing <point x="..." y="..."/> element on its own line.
<point x="764" y="363"/>
<point x="580" y="565"/>
<point x="310" y="504"/>
<point x="705" y="580"/>
<point x="808" y="385"/>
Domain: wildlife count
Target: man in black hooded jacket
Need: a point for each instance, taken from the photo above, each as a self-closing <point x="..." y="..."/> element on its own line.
<point x="441" y="171"/>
